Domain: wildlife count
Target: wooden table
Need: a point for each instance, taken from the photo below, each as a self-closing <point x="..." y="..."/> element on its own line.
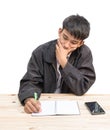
<point x="13" y="117"/>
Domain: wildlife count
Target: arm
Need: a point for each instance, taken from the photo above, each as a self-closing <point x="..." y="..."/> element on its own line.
<point x="79" y="78"/>
<point x="32" y="80"/>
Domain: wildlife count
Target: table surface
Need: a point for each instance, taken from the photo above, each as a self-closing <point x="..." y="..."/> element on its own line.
<point x="13" y="117"/>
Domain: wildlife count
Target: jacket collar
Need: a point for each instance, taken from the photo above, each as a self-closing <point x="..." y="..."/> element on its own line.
<point x="50" y="52"/>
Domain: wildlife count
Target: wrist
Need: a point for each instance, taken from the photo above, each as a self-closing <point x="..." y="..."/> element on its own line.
<point x="26" y="100"/>
<point x="63" y="64"/>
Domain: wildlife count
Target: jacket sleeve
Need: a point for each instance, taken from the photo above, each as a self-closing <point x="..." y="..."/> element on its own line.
<point x="80" y="78"/>
<point x="32" y="80"/>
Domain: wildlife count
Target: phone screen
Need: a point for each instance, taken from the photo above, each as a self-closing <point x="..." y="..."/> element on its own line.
<point x="94" y="108"/>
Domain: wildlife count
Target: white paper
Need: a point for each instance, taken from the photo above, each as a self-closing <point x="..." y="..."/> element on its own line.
<point x="67" y="107"/>
<point x="48" y="108"/>
<point x="60" y="107"/>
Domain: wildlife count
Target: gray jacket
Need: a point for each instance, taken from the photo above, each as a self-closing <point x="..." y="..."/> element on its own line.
<point x="77" y="76"/>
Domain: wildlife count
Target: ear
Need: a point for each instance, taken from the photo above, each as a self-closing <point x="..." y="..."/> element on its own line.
<point x="81" y="43"/>
<point x="60" y="31"/>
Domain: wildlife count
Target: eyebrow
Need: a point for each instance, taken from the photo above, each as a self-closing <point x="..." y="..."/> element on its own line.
<point x="72" y="40"/>
<point x="65" y="35"/>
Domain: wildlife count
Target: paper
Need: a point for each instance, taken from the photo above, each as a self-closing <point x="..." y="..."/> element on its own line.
<point x="60" y="107"/>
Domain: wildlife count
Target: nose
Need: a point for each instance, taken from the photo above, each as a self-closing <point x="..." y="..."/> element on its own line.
<point x="67" y="45"/>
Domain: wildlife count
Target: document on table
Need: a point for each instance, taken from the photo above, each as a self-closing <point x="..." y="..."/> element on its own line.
<point x="59" y="107"/>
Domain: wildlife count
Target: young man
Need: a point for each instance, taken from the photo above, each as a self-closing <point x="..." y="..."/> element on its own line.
<point x="69" y="53"/>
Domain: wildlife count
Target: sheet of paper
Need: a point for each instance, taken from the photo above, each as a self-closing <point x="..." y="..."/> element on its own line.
<point x="67" y="107"/>
<point x="48" y="108"/>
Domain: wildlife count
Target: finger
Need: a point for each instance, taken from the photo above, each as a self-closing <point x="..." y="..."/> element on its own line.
<point x="30" y="106"/>
<point x="59" y="43"/>
<point x="71" y="50"/>
<point x="56" y="46"/>
<point x="59" y="47"/>
<point x="27" y="109"/>
<point x="37" y="105"/>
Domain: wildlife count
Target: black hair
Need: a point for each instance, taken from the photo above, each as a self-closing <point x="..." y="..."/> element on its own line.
<point x="77" y="26"/>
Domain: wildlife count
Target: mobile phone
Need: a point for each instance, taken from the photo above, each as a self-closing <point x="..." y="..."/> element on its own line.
<point x="94" y="108"/>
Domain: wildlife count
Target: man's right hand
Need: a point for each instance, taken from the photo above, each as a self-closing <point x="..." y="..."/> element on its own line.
<point x="32" y="105"/>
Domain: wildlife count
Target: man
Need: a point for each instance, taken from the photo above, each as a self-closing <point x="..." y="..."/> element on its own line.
<point x="63" y="65"/>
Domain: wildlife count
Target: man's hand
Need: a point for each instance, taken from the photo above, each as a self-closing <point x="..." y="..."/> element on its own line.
<point x="61" y="54"/>
<point x="32" y="105"/>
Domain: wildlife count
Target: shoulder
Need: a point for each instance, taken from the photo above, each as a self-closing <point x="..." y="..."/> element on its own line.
<point x="44" y="50"/>
<point x="45" y="46"/>
<point x="85" y="50"/>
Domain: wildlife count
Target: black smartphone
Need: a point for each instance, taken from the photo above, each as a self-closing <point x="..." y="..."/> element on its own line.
<point x="94" y="108"/>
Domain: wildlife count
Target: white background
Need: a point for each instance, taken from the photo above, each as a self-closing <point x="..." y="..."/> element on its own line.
<point x="25" y="24"/>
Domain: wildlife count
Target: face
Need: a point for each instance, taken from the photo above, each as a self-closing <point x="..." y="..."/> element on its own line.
<point x="68" y="41"/>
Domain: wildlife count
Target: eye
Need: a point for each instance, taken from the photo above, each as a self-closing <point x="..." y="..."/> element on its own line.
<point x="65" y="37"/>
<point x="74" y="43"/>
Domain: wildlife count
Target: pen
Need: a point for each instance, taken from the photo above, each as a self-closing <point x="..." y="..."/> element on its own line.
<point x="35" y="96"/>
